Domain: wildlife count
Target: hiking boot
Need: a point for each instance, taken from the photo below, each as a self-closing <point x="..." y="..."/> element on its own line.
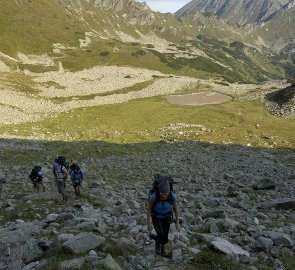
<point x="158" y="248"/>
<point x="163" y="251"/>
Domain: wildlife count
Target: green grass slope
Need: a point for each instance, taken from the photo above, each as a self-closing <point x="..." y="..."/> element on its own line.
<point x="33" y="27"/>
<point x="147" y="120"/>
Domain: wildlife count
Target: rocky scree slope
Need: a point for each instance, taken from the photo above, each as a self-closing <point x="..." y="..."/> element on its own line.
<point x="238" y="200"/>
<point x="282" y="102"/>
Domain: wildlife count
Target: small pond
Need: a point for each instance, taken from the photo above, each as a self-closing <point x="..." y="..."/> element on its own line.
<point x="198" y="99"/>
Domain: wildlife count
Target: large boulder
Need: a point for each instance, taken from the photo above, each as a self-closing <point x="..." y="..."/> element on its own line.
<point x="83" y="242"/>
<point x="264" y="184"/>
<point x="263" y="243"/>
<point x="229" y="248"/>
<point x="281" y="239"/>
<point x="284" y="204"/>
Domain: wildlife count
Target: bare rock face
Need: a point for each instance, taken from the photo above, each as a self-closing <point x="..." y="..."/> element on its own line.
<point x="241" y="11"/>
<point x="136" y="13"/>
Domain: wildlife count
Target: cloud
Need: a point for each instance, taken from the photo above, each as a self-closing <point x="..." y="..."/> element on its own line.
<point x="165" y="5"/>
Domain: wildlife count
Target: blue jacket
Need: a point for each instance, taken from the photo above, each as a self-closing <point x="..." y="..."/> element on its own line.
<point x="162" y="209"/>
<point x="77" y="177"/>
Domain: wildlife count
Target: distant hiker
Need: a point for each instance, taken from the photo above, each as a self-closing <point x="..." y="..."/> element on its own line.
<point x="162" y="202"/>
<point x="61" y="174"/>
<point x="77" y="177"/>
<point x="36" y="175"/>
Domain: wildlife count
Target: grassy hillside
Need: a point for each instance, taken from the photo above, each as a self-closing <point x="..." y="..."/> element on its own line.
<point x="202" y="47"/>
<point x="148" y="120"/>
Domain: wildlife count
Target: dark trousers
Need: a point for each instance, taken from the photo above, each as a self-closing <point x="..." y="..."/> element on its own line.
<point x="162" y="226"/>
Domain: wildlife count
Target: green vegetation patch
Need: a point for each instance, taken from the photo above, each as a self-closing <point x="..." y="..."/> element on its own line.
<point x="19" y="82"/>
<point x="125" y="90"/>
<point x="213" y="260"/>
<point x="27" y="211"/>
<point x="233" y="122"/>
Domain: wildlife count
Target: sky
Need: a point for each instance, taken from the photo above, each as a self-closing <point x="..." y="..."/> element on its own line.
<point x="165" y="5"/>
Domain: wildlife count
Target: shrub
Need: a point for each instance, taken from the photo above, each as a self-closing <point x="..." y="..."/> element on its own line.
<point x="138" y="53"/>
<point x="104" y="53"/>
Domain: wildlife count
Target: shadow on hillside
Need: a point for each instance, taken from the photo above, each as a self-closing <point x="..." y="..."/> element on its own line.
<point x="25" y="152"/>
<point x="282" y="96"/>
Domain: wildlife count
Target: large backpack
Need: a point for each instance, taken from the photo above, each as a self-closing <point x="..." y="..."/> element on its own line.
<point x="160" y="177"/>
<point x="72" y="167"/>
<point x="61" y="160"/>
<point x="34" y="172"/>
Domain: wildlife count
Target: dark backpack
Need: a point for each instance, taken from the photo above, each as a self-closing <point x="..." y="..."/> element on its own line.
<point x="61" y="160"/>
<point x="160" y="177"/>
<point x="73" y="166"/>
<point x="34" y="172"/>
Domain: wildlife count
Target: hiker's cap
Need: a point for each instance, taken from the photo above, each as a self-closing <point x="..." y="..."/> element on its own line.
<point x="164" y="187"/>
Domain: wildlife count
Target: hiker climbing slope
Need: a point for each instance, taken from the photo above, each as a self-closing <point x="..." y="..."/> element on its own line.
<point x="77" y="176"/>
<point x="36" y="175"/>
<point x="161" y="203"/>
<point x="61" y="174"/>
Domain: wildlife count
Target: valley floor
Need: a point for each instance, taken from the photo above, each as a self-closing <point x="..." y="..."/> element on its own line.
<point x="33" y="96"/>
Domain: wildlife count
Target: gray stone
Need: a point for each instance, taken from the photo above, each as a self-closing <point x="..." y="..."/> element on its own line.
<point x="215" y="214"/>
<point x="264" y="184"/>
<point x="73" y="264"/>
<point x="64" y="237"/>
<point x="31" y="265"/>
<point x="51" y="217"/>
<point x="108" y="263"/>
<point x="93" y="253"/>
<point x="83" y="242"/>
<point x="31" y="251"/>
<point x="133" y="204"/>
<point x="86" y="226"/>
<point x="263" y="243"/>
<point x="285" y="204"/>
<point x="229" y="248"/>
<point x="177" y="256"/>
<point x="64" y="217"/>
<point x="2" y="176"/>
<point x="125" y="245"/>
<point x="230" y="223"/>
<point x="18" y="233"/>
<point x="281" y="239"/>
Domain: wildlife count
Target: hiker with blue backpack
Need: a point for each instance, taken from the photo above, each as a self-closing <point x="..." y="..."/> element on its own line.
<point x="162" y="202"/>
<point x="77" y="176"/>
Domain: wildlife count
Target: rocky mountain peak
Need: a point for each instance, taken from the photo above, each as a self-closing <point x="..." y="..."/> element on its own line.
<point x="236" y="11"/>
<point x="136" y="13"/>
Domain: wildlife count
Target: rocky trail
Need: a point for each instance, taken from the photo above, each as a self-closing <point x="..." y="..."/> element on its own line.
<point x="237" y="200"/>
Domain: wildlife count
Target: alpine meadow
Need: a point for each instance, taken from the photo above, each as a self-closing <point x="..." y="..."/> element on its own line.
<point x="203" y="99"/>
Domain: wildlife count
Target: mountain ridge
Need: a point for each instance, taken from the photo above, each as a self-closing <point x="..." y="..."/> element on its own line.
<point x="201" y="46"/>
<point x="273" y="21"/>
